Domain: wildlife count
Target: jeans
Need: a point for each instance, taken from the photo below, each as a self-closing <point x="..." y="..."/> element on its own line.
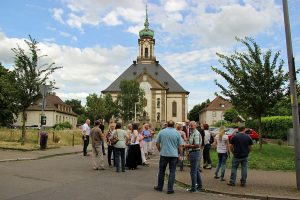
<point x="206" y="155"/>
<point x="103" y="148"/>
<point x="120" y="153"/>
<point x="110" y="150"/>
<point x="235" y="164"/>
<point x="222" y="158"/>
<point x="180" y="162"/>
<point x="85" y="144"/>
<point x="163" y="162"/>
<point x="195" y="173"/>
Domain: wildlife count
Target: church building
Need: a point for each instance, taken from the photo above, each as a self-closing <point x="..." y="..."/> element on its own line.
<point x="166" y="99"/>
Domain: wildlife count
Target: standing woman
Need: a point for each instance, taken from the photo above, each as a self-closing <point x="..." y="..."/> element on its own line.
<point x="134" y="151"/>
<point x="206" y="150"/>
<point x="222" y="144"/>
<point x="184" y="141"/>
<point x="120" y="147"/>
<point x="110" y="147"/>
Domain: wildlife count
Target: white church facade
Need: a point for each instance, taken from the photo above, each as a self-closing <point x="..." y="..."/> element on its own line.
<point x="166" y="99"/>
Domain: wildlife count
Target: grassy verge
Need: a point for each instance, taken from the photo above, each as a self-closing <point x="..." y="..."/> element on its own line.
<point x="10" y="139"/>
<point x="271" y="157"/>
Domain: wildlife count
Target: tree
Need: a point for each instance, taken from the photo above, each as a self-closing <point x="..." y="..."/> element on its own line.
<point x="95" y="107"/>
<point x="255" y="80"/>
<point x="8" y="97"/>
<point x="230" y="114"/>
<point x="130" y="94"/>
<point x="111" y="107"/>
<point x="29" y="75"/>
<point x="76" y="106"/>
<point x="193" y="115"/>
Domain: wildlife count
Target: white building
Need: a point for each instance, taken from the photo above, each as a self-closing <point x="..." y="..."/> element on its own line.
<point x="55" y="110"/>
<point x="166" y="99"/>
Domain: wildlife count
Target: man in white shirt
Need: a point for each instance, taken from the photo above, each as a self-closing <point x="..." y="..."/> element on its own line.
<point x="86" y="136"/>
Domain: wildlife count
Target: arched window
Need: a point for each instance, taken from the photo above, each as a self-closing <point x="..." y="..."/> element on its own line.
<point x="146" y="52"/>
<point x="158" y="103"/>
<point x="174" y="109"/>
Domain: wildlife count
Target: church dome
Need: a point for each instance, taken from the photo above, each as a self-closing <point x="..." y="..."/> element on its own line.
<point x="146" y="32"/>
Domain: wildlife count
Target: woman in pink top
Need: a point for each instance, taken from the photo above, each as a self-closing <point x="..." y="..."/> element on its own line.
<point x="184" y="140"/>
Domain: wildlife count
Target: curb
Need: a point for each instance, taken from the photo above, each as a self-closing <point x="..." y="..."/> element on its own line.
<point x="40" y="157"/>
<point x="253" y="196"/>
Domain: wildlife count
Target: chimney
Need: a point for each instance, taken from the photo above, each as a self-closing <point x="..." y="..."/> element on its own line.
<point x="134" y="62"/>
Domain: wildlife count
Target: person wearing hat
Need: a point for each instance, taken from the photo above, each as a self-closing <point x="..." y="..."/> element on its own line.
<point x="97" y="154"/>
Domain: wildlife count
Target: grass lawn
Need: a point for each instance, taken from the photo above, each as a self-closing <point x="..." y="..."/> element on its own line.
<point x="10" y="139"/>
<point x="271" y="157"/>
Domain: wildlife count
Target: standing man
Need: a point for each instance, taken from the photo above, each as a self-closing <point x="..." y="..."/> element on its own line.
<point x="86" y="136"/>
<point x="97" y="154"/>
<point x="168" y="143"/>
<point x="186" y="128"/>
<point x="240" y="146"/>
<point x="194" y="145"/>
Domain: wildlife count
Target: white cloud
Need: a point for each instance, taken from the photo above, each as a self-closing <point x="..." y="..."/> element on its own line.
<point x="112" y="19"/>
<point x="57" y="14"/>
<point x="174" y="5"/>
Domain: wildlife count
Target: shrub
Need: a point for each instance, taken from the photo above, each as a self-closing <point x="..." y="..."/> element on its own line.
<point x="62" y="126"/>
<point x="274" y="127"/>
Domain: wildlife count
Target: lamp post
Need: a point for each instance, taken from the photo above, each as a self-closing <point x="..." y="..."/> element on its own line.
<point x="135" y="111"/>
<point x="44" y="89"/>
<point x="222" y="106"/>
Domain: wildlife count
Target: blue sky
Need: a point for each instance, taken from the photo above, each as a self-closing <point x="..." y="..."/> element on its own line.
<point x="96" y="40"/>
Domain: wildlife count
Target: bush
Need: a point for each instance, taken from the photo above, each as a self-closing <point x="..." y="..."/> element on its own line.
<point x="226" y="124"/>
<point x="62" y="126"/>
<point x="274" y="127"/>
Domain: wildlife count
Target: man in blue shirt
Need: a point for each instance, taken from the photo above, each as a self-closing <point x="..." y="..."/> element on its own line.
<point x="168" y="143"/>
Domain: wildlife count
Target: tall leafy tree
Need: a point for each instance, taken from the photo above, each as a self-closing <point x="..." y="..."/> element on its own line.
<point x="111" y="107"/>
<point x="76" y="106"/>
<point x="8" y="97"/>
<point x="193" y="115"/>
<point x="95" y="107"/>
<point x="29" y="75"/>
<point x="230" y="114"/>
<point x="130" y="94"/>
<point x="255" y="80"/>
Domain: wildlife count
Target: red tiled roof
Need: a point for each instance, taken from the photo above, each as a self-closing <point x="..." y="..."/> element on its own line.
<point x="52" y="102"/>
<point x="217" y="103"/>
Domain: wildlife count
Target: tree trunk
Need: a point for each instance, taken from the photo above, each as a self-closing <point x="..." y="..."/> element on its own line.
<point x="23" y="137"/>
<point x="260" y="133"/>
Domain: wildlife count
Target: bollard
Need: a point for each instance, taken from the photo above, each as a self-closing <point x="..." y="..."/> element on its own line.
<point x="53" y="135"/>
<point x="73" y="140"/>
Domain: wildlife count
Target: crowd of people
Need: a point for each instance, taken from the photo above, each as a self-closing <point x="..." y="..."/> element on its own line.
<point x="175" y="142"/>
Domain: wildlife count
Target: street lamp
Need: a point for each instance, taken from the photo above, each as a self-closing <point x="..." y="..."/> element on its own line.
<point x="135" y="111"/>
<point x="222" y="106"/>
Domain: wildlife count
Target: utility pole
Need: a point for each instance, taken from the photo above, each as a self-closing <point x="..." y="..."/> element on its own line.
<point x="293" y="90"/>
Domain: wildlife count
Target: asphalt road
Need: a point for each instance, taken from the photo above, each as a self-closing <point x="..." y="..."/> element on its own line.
<point x="72" y="177"/>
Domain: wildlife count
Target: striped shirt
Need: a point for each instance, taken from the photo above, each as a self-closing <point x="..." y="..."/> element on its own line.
<point x="221" y="145"/>
<point x="195" y="138"/>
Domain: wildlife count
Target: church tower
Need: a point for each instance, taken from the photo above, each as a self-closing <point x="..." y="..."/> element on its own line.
<point x="146" y="44"/>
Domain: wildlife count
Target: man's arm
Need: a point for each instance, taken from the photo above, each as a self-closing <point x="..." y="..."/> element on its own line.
<point x="158" y="146"/>
<point x="249" y="147"/>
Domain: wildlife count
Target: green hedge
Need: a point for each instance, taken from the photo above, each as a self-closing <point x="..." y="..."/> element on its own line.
<point x="275" y="127"/>
<point x="62" y="126"/>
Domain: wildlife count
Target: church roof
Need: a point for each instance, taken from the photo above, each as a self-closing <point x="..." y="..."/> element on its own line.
<point x="155" y="70"/>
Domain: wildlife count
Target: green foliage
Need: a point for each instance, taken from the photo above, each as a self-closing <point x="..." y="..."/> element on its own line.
<point x="130" y="94"/>
<point x="62" y="126"/>
<point x="272" y="157"/>
<point x="275" y="127"/>
<point x="76" y="106"/>
<point x="193" y="115"/>
<point x="230" y="114"/>
<point x="226" y="124"/>
<point x="111" y="108"/>
<point x="29" y="75"/>
<point x="256" y="81"/>
<point x="95" y="107"/>
<point x="8" y="97"/>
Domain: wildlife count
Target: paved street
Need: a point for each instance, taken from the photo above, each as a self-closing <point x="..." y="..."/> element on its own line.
<point x="71" y="177"/>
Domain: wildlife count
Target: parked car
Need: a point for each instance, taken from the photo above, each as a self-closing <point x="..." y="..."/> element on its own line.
<point x="254" y="135"/>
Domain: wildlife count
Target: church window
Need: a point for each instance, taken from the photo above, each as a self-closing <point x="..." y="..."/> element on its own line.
<point x="146" y="52"/>
<point x="158" y="103"/>
<point x="174" y="109"/>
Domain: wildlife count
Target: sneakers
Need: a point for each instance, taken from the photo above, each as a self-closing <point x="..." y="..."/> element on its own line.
<point x="191" y="190"/>
<point x="170" y="192"/>
<point x="216" y="177"/>
<point x="222" y="179"/>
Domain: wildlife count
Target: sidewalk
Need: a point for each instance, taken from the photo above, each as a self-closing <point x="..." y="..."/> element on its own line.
<point x="14" y="155"/>
<point x="260" y="184"/>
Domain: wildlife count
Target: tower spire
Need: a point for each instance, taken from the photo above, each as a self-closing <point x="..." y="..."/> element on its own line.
<point x="146" y="24"/>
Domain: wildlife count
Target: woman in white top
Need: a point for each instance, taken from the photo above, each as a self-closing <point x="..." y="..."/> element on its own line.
<point x="206" y="151"/>
<point x="134" y="151"/>
<point x="221" y="142"/>
<point x="184" y="141"/>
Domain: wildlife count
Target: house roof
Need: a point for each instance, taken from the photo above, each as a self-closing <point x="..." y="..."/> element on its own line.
<point x="52" y="104"/>
<point x="155" y="70"/>
<point x="216" y="105"/>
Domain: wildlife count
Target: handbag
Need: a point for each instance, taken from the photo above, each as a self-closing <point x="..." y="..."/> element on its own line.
<point x="114" y="139"/>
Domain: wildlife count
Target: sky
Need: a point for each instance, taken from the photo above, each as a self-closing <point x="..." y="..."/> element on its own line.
<point x="97" y="40"/>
